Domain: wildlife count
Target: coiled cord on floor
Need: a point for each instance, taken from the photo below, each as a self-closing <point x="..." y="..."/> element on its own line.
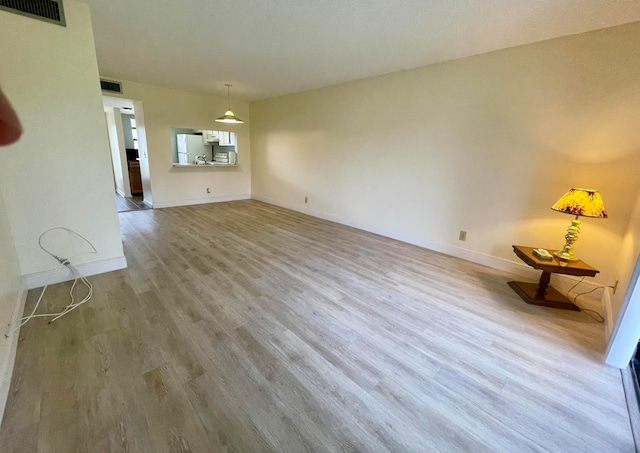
<point x="64" y="262"/>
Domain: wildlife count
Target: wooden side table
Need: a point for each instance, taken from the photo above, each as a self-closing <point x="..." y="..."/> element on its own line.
<point x="541" y="293"/>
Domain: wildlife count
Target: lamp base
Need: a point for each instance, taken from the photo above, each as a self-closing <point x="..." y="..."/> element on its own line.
<point x="566" y="254"/>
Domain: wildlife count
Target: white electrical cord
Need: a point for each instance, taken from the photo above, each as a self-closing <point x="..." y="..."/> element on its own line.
<point x="64" y="262"/>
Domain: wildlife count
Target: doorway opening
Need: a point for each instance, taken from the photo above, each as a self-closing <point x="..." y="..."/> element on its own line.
<point x="129" y="157"/>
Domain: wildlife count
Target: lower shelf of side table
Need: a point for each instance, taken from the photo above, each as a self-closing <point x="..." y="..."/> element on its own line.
<point x="552" y="298"/>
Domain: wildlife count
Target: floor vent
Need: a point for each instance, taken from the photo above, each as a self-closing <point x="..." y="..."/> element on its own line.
<point x="110" y="85"/>
<point x="46" y="10"/>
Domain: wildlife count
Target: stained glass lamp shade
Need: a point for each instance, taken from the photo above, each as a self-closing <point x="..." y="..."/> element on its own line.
<point x="578" y="202"/>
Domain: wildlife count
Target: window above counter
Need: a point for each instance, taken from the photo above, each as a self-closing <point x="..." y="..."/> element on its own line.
<point x="197" y="147"/>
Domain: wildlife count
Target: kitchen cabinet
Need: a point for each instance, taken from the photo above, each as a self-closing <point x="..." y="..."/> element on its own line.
<point x="223" y="138"/>
<point x="135" y="178"/>
<point x="209" y="137"/>
<point x="227" y="138"/>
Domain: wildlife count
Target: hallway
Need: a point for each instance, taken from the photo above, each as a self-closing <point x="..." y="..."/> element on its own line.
<point x="134" y="203"/>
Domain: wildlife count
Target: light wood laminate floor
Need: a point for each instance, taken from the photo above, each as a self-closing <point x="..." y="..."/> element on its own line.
<point x="134" y="203"/>
<point x="246" y="327"/>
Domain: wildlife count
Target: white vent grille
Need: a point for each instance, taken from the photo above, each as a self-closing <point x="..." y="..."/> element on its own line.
<point x="47" y="10"/>
<point x="111" y="86"/>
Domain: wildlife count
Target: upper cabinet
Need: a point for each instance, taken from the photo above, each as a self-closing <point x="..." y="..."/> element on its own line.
<point x="222" y="138"/>
<point x="210" y="137"/>
<point x="227" y="138"/>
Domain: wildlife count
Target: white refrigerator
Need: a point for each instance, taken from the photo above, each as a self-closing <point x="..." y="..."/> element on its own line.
<point x="190" y="146"/>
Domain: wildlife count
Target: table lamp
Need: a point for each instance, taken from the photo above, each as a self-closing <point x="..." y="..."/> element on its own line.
<point x="578" y="202"/>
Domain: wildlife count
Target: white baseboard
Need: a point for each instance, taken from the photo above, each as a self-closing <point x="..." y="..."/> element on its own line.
<point x="192" y="201"/>
<point x="148" y="203"/>
<point x="9" y="346"/>
<point x="120" y="192"/>
<point x="562" y="283"/>
<point x="39" y="279"/>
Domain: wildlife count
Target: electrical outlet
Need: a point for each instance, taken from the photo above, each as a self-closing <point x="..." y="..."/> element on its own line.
<point x="462" y="236"/>
<point x="208" y="190"/>
<point x="306" y="200"/>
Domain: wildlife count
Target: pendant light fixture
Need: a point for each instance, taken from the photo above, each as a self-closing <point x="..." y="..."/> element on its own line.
<point x="228" y="116"/>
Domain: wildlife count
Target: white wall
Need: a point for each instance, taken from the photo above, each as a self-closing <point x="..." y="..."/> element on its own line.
<point x="114" y="144"/>
<point x="145" y="171"/>
<point x="484" y="144"/>
<point x="11" y="298"/>
<point x="10" y="275"/>
<point x="159" y="109"/>
<point x="127" y="133"/>
<point x="122" y="149"/>
<point x="59" y="173"/>
<point x="629" y="255"/>
<point x="625" y="303"/>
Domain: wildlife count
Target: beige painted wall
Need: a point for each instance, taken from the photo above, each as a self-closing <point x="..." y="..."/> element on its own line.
<point x="629" y="254"/>
<point x="10" y="275"/>
<point x="484" y="144"/>
<point x="59" y="173"/>
<point x="164" y="108"/>
<point x="10" y="295"/>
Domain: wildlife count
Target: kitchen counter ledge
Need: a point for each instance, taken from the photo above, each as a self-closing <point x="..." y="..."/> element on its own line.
<point x="206" y="165"/>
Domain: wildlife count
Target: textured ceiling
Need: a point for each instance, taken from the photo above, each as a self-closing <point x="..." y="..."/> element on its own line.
<point x="266" y="48"/>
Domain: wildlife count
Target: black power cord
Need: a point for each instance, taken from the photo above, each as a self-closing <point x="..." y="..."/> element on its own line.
<point x="591" y="313"/>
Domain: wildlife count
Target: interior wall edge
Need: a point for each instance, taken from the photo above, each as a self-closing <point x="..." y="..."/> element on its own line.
<point x="608" y="313"/>
<point x="10" y="346"/>
<point x="626" y="331"/>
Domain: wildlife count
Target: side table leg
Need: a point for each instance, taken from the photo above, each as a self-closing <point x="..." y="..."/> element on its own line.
<point x="542" y="294"/>
<point x="543" y="284"/>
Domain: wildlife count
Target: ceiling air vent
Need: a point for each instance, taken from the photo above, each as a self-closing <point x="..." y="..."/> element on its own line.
<point x="46" y="10"/>
<point x="109" y="85"/>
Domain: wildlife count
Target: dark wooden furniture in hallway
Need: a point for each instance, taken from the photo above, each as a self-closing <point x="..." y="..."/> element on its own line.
<point x="135" y="177"/>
